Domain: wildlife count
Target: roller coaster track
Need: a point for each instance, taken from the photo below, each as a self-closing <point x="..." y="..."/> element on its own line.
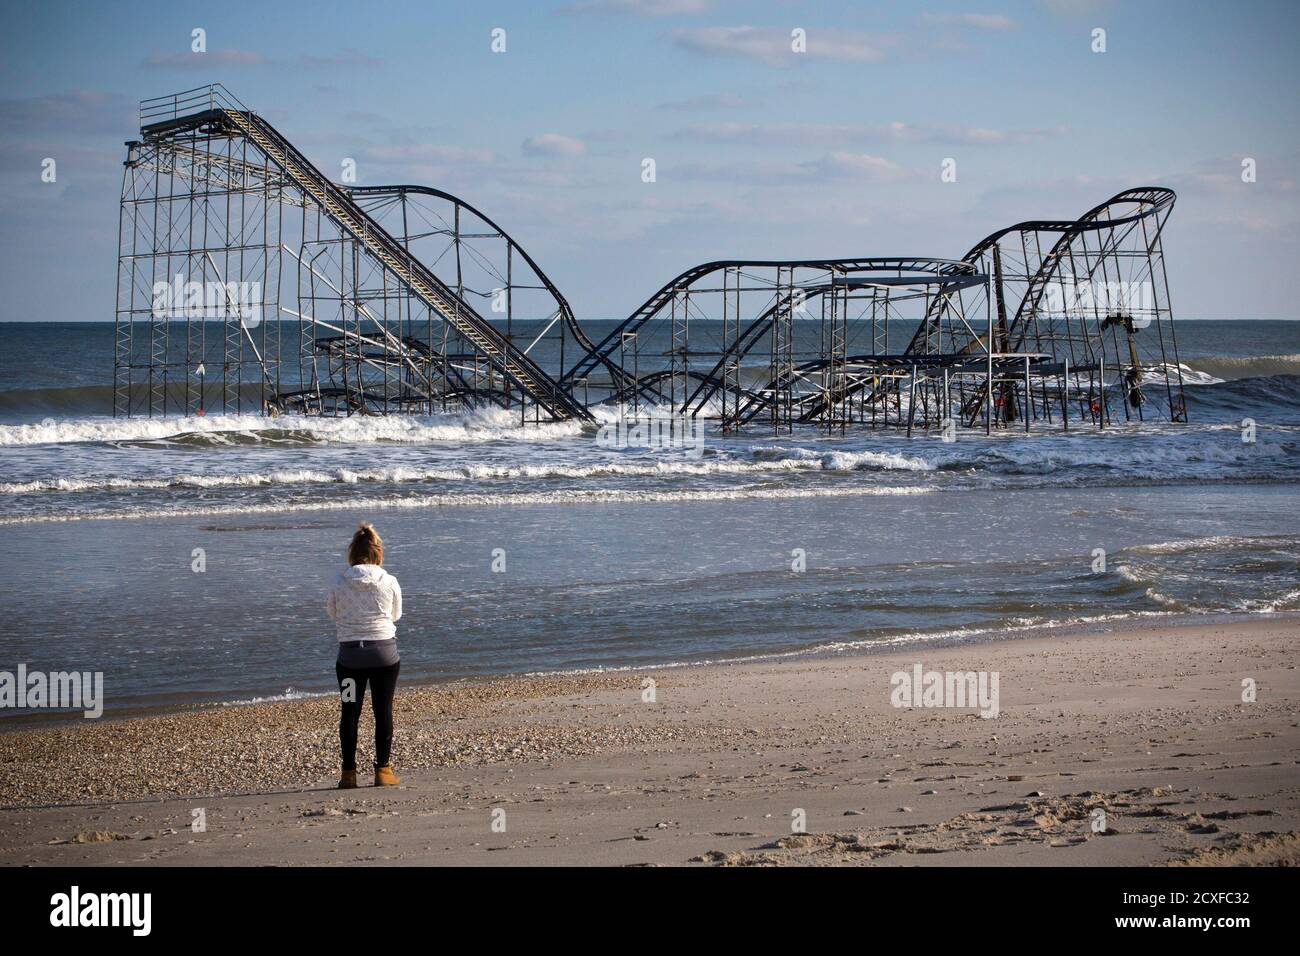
<point x="562" y="304"/>
<point x="601" y="354"/>
<point x="1153" y="205"/>
<point x="652" y="306"/>
<point x="847" y="275"/>
<point x="1154" y="201"/>
<point x="339" y="206"/>
<point x="390" y="281"/>
<point x="566" y="311"/>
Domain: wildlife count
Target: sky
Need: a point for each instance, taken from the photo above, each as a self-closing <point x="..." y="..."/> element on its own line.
<point x="759" y="151"/>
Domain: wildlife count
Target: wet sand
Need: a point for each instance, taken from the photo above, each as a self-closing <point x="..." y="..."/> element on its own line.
<point x="1142" y="729"/>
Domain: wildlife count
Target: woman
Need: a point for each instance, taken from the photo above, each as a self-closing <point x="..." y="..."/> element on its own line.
<point x="364" y="604"/>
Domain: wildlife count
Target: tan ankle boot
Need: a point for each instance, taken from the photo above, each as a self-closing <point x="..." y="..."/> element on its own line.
<point x="384" y="776"/>
<point x="348" y="781"/>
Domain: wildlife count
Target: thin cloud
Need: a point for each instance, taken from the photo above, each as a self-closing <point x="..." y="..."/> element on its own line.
<point x="836" y="164"/>
<point x="859" y="166"/>
<point x="897" y="132"/>
<point x="1074" y="6"/>
<point x="712" y="101"/>
<point x="978" y="21"/>
<point x="233" y="57"/>
<point x="774" y="46"/>
<point x="553" y="144"/>
<point x="639" y="8"/>
<point x="426" y="153"/>
<point x="203" y="61"/>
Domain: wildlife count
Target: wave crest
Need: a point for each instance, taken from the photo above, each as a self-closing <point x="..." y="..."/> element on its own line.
<point x="1227" y="368"/>
<point x="216" y="430"/>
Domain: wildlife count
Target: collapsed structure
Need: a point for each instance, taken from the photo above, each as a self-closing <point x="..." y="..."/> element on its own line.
<point x="248" y="280"/>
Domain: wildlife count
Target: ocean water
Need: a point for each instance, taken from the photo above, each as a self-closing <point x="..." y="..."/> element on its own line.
<point x="613" y="558"/>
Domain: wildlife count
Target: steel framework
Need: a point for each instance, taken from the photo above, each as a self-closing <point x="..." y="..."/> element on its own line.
<point x="226" y="229"/>
<point x="249" y="281"/>
<point x="1093" y="294"/>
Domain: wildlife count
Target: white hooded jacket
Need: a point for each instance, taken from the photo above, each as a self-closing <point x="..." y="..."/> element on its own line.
<point x="364" y="603"/>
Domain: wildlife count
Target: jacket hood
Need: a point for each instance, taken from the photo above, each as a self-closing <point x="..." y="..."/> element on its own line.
<point x="364" y="574"/>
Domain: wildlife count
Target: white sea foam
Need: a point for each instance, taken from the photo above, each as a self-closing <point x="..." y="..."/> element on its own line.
<point x="841" y="460"/>
<point x="574" y="496"/>
<point x="479" y="426"/>
<point x="1159" y="374"/>
<point x="1128" y="573"/>
<point x="289" y="694"/>
<point x="1284" y="602"/>
<point x="663" y="467"/>
<point x="404" y="475"/>
<point x="1212" y="542"/>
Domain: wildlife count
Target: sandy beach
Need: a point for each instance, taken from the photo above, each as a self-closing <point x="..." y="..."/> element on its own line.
<point x="1146" y="725"/>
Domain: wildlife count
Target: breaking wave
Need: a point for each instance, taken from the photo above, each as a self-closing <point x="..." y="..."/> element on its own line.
<point x="572" y="496"/>
<point x="405" y="475"/>
<point x="841" y="460"/>
<point x="1229" y="368"/>
<point x="218" y="430"/>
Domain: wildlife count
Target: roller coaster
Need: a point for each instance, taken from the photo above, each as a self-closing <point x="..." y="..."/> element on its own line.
<point x="249" y="281"/>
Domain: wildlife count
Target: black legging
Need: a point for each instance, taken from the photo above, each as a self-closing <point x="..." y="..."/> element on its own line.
<point x="383" y="682"/>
